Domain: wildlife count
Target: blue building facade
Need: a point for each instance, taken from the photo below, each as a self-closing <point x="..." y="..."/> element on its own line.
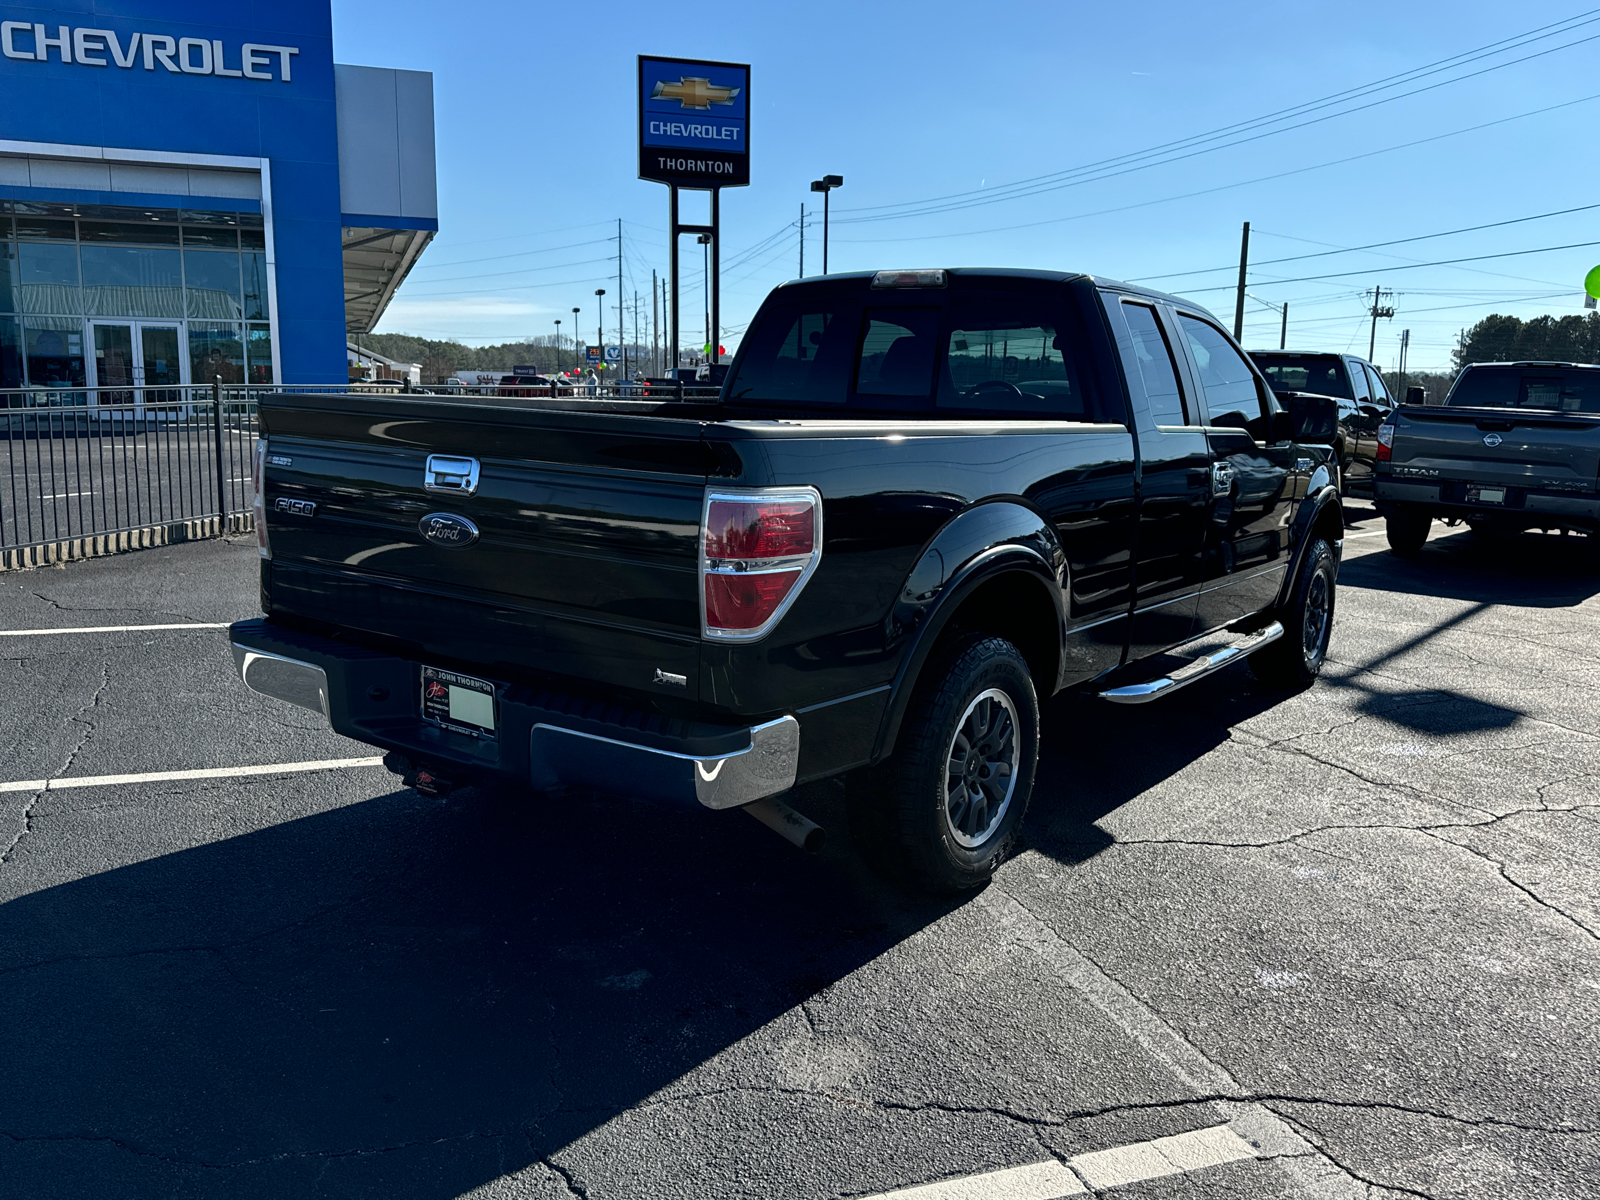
<point x="171" y="192"/>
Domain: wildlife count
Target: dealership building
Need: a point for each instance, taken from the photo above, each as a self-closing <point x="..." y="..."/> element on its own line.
<point x="200" y="191"/>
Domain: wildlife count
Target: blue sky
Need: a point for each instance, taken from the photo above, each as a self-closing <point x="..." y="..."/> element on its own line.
<point x="914" y="102"/>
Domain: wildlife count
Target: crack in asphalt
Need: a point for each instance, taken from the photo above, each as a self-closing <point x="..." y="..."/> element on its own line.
<point x="1317" y="1141"/>
<point x="33" y="799"/>
<point x="1429" y="831"/>
<point x="71" y="608"/>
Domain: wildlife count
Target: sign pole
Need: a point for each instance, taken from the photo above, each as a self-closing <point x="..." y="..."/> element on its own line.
<point x="715" y="352"/>
<point x="672" y="273"/>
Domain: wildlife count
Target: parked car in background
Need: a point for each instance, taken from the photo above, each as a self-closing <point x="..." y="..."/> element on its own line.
<point x="1364" y="404"/>
<point x="1514" y="446"/>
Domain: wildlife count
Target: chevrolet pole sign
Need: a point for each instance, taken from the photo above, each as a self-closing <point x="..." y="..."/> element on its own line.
<point x="694" y="122"/>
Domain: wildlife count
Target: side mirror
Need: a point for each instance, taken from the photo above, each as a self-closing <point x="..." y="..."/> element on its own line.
<point x="1311" y="419"/>
<point x="1416" y="395"/>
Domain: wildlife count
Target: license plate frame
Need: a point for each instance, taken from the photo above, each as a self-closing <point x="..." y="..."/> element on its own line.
<point x="1486" y="495"/>
<point x="460" y="702"/>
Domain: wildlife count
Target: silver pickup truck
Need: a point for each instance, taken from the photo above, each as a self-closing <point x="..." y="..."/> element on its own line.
<point x="1515" y="446"/>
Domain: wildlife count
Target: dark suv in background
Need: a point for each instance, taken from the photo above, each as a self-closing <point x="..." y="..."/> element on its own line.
<point x="1364" y="404"/>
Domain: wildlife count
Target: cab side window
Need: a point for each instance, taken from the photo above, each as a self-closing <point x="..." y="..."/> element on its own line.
<point x="1152" y="363"/>
<point x="1227" y="380"/>
<point x="1380" y="394"/>
<point x="1360" y="388"/>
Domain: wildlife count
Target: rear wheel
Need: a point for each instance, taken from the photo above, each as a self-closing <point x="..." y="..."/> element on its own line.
<point x="1295" y="659"/>
<point x="943" y="813"/>
<point x="1407" y="529"/>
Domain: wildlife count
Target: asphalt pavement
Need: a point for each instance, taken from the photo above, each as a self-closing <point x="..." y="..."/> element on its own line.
<point x="1341" y="943"/>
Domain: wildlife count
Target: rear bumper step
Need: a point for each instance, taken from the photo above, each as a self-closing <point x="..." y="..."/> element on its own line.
<point x="544" y="739"/>
<point x="1143" y="693"/>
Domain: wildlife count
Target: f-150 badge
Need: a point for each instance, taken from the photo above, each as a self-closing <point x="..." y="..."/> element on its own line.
<point x="693" y="92"/>
<point x="448" y="530"/>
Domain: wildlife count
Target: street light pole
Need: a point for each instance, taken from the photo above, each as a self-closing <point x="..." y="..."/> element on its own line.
<point x="558" y="343"/>
<point x="705" y="261"/>
<point x="825" y="185"/>
<point x="600" y="309"/>
<point x="575" y="362"/>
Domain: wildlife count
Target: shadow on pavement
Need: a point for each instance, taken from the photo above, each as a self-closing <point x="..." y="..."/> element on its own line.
<point x="1531" y="570"/>
<point x="401" y="998"/>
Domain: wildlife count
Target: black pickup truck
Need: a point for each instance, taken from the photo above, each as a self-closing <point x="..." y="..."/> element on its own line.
<point x="922" y="502"/>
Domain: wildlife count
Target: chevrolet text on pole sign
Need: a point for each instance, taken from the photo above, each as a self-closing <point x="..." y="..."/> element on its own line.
<point x="694" y="122"/>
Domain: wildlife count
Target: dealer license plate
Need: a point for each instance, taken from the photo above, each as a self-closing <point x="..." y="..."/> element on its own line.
<point x="1483" y="495"/>
<point x="459" y="702"/>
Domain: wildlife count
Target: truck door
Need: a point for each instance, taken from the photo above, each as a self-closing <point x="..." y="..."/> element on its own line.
<point x="1174" y="480"/>
<point x="1254" y="481"/>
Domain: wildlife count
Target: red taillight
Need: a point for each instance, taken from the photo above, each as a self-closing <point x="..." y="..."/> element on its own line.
<point x="1385" y="442"/>
<point x="258" y="479"/>
<point x="758" y="550"/>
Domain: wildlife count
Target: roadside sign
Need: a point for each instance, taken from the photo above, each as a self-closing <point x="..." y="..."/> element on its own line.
<point x="1591" y="283"/>
<point x="613" y="354"/>
<point x="592" y="353"/>
<point x="524" y="370"/>
<point x="694" y="122"/>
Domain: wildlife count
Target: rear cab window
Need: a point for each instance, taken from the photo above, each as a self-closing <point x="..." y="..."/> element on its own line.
<point x="971" y="350"/>
<point x="1320" y="374"/>
<point x="1570" y="389"/>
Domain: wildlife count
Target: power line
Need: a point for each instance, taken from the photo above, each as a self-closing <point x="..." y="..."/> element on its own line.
<point x="1444" y="262"/>
<point x="1421" y="237"/>
<point x="462" y="262"/>
<point x="1143" y="160"/>
<point x="1224" y="187"/>
<point x="582" y="262"/>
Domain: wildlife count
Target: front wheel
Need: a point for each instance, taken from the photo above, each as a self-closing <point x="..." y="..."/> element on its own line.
<point x="1407" y="529"/>
<point x="1296" y="659"/>
<point x="945" y="810"/>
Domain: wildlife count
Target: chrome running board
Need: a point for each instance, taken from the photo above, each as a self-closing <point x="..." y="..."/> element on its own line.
<point x="1143" y="693"/>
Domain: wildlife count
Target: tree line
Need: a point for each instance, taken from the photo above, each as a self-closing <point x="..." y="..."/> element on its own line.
<point x="442" y="359"/>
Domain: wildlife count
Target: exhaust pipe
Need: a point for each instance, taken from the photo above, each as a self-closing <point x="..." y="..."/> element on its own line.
<point x="792" y="826"/>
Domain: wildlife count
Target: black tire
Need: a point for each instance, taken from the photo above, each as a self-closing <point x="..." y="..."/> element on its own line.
<point x="1296" y="659"/>
<point x="1407" y="529"/>
<point x="901" y="810"/>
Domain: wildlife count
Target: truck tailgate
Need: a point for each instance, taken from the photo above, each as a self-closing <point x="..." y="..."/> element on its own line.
<point x="1537" y="451"/>
<point x="588" y="554"/>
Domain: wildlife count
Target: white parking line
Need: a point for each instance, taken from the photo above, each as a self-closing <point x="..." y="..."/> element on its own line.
<point x="112" y="628"/>
<point x="1116" y="1167"/>
<point x="82" y="781"/>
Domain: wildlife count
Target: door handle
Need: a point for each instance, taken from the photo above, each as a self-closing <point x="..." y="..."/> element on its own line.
<point x="445" y="473"/>
<point x="1221" y="478"/>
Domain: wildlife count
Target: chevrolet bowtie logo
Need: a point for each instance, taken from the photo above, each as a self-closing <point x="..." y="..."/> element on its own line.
<point x="694" y="92"/>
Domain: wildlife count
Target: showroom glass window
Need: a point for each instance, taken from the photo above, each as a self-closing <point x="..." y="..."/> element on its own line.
<point x="75" y="279"/>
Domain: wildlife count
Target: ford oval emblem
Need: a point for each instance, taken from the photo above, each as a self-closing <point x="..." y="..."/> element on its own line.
<point x="1491" y="440"/>
<point x="448" y="530"/>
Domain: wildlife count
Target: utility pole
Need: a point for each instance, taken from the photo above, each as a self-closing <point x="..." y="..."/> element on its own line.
<point x="622" y="337"/>
<point x="705" y="261"/>
<point x="1405" y="345"/>
<point x="1379" y="309"/>
<point x="1244" y="265"/>
<point x="1283" y="334"/>
<point x="802" y="241"/>
<point x="655" y="325"/>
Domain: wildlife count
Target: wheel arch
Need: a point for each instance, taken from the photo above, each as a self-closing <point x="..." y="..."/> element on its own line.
<point x="1011" y="587"/>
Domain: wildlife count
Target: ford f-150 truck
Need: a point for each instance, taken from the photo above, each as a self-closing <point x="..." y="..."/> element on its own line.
<point x="1514" y="446"/>
<point x="922" y="502"/>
